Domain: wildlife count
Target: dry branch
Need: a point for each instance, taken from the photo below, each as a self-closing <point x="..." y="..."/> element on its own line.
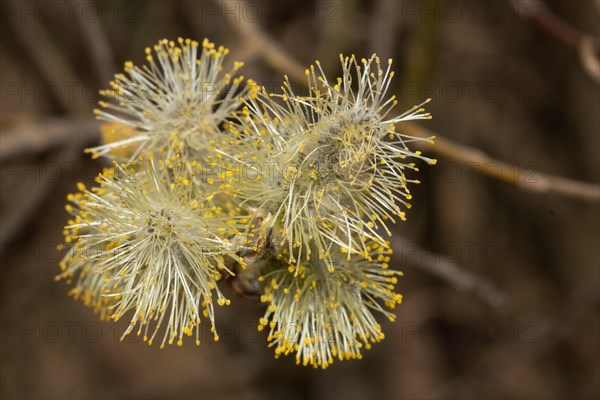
<point x="277" y="57"/>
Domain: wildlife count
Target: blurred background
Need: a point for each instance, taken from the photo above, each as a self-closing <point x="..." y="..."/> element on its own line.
<point x="500" y="253"/>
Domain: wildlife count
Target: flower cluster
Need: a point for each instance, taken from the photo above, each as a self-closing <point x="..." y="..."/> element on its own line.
<point x="145" y="242"/>
<point x="324" y="173"/>
<point x="178" y="102"/>
<point x="341" y="162"/>
<point x="321" y="315"/>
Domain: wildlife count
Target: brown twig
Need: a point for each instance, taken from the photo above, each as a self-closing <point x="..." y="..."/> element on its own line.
<point x="267" y="48"/>
<point x="39" y="137"/>
<point x="445" y="269"/>
<point x="537" y="11"/>
<point x="585" y="44"/>
<point x="98" y="45"/>
<point x="30" y="196"/>
<point x="477" y="159"/>
<point x="523" y="178"/>
<point x="544" y="333"/>
<point x="42" y="50"/>
<point x="588" y="54"/>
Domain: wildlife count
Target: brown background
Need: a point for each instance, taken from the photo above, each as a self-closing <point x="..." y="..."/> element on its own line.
<point x="498" y="82"/>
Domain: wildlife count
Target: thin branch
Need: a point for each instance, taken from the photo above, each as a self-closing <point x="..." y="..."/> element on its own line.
<point x="42" y="50"/>
<point x="266" y="47"/>
<point x="445" y="269"/>
<point x="30" y="196"/>
<point x="100" y="50"/>
<point x="537" y="11"/>
<point x="478" y="160"/>
<point x="540" y="333"/>
<point x="523" y="178"/>
<point x="588" y="54"/>
<point x="42" y="136"/>
<point x="584" y="43"/>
